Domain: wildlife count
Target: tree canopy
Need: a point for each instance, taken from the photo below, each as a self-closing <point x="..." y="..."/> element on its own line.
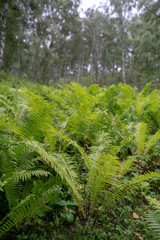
<point x="49" y="42"/>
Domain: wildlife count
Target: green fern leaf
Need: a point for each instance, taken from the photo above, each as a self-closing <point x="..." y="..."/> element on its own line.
<point x="152" y="141"/>
<point x="64" y="167"/>
<point x="126" y="165"/>
<point x="141" y="135"/>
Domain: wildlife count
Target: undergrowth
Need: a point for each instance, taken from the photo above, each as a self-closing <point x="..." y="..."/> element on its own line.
<point x="76" y="162"/>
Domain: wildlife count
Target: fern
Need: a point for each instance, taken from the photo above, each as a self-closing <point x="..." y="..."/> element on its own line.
<point x="119" y="191"/>
<point x="64" y="167"/>
<point x="153" y="217"/>
<point x="143" y="146"/>
<point x="26" y="208"/>
<point x="32" y="205"/>
<point x="126" y="165"/>
<point x="152" y="141"/>
<point x="50" y="135"/>
<point x="141" y="136"/>
<point x="104" y="172"/>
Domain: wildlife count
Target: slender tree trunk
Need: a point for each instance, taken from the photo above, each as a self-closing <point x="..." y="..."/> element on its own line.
<point x="91" y="71"/>
<point x="20" y="70"/>
<point x="104" y="81"/>
<point x="35" y="67"/>
<point x="60" y="69"/>
<point x="156" y="65"/>
<point x="3" y="32"/>
<point x="82" y="70"/>
<point x="113" y="73"/>
<point x="79" y="73"/>
<point x="96" y="64"/>
<point x="123" y="52"/>
<point x="123" y="27"/>
<point x="64" y="73"/>
<point x="56" y="72"/>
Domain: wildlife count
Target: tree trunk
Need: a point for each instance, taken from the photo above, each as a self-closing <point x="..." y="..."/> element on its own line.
<point x="104" y="81"/>
<point x="60" y="70"/>
<point x="123" y="51"/>
<point x="35" y="66"/>
<point x="3" y="32"/>
<point x="79" y="73"/>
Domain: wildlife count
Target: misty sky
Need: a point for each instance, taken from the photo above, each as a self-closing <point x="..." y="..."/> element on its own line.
<point x="89" y="3"/>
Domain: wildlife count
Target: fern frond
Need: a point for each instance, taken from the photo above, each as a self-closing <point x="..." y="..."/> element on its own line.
<point x="79" y="91"/>
<point x="26" y="208"/>
<point x="28" y="174"/>
<point x="7" y="106"/>
<point x="153" y="219"/>
<point x="9" y="124"/>
<point x="152" y="141"/>
<point x="8" y="167"/>
<point x="86" y="106"/>
<point x="32" y="205"/>
<point x="103" y="174"/>
<point x="80" y="119"/>
<point x="154" y="202"/>
<point x="126" y="165"/>
<point x="140" y="105"/>
<point x="118" y="192"/>
<point x="11" y="190"/>
<point x="141" y="135"/>
<point x="145" y="90"/>
<point x="18" y="215"/>
<point x="39" y="112"/>
<point x="69" y="141"/>
<point x="63" y="167"/>
<point x="23" y="176"/>
<point x="144" y="177"/>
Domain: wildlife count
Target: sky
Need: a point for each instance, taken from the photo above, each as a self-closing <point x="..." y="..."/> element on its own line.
<point x="89" y="3"/>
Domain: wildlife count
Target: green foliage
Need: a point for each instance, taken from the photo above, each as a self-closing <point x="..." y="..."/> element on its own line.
<point x="93" y="143"/>
<point x="153" y="217"/>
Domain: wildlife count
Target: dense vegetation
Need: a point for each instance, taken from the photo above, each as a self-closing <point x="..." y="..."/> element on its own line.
<point x="79" y="155"/>
<point x="77" y="162"/>
<point x="50" y="42"/>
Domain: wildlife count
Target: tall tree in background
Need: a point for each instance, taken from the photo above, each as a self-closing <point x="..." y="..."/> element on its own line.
<point x="46" y="41"/>
<point x="4" y="5"/>
<point x="144" y="34"/>
<point x="122" y="10"/>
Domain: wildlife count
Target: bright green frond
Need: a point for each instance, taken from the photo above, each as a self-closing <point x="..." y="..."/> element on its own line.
<point x="152" y="141"/>
<point x="63" y="166"/>
<point x="154" y="203"/>
<point x="26" y="208"/>
<point x="141" y="135"/>
<point x="103" y="174"/>
<point x="118" y="192"/>
<point x="23" y="176"/>
<point x="144" y="177"/>
<point x="153" y="219"/>
<point x="126" y="165"/>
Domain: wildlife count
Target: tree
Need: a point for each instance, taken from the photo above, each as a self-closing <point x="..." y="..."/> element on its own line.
<point x="3" y="30"/>
<point x="122" y="10"/>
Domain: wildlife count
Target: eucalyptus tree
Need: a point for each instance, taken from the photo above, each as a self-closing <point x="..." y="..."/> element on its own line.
<point x="58" y="19"/>
<point x="99" y="34"/>
<point x="14" y="22"/>
<point x="93" y="34"/>
<point x="150" y="16"/>
<point x="144" y="35"/>
<point x="34" y="31"/>
<point x="3" y="29"/>
<point x="121" y="10"/>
